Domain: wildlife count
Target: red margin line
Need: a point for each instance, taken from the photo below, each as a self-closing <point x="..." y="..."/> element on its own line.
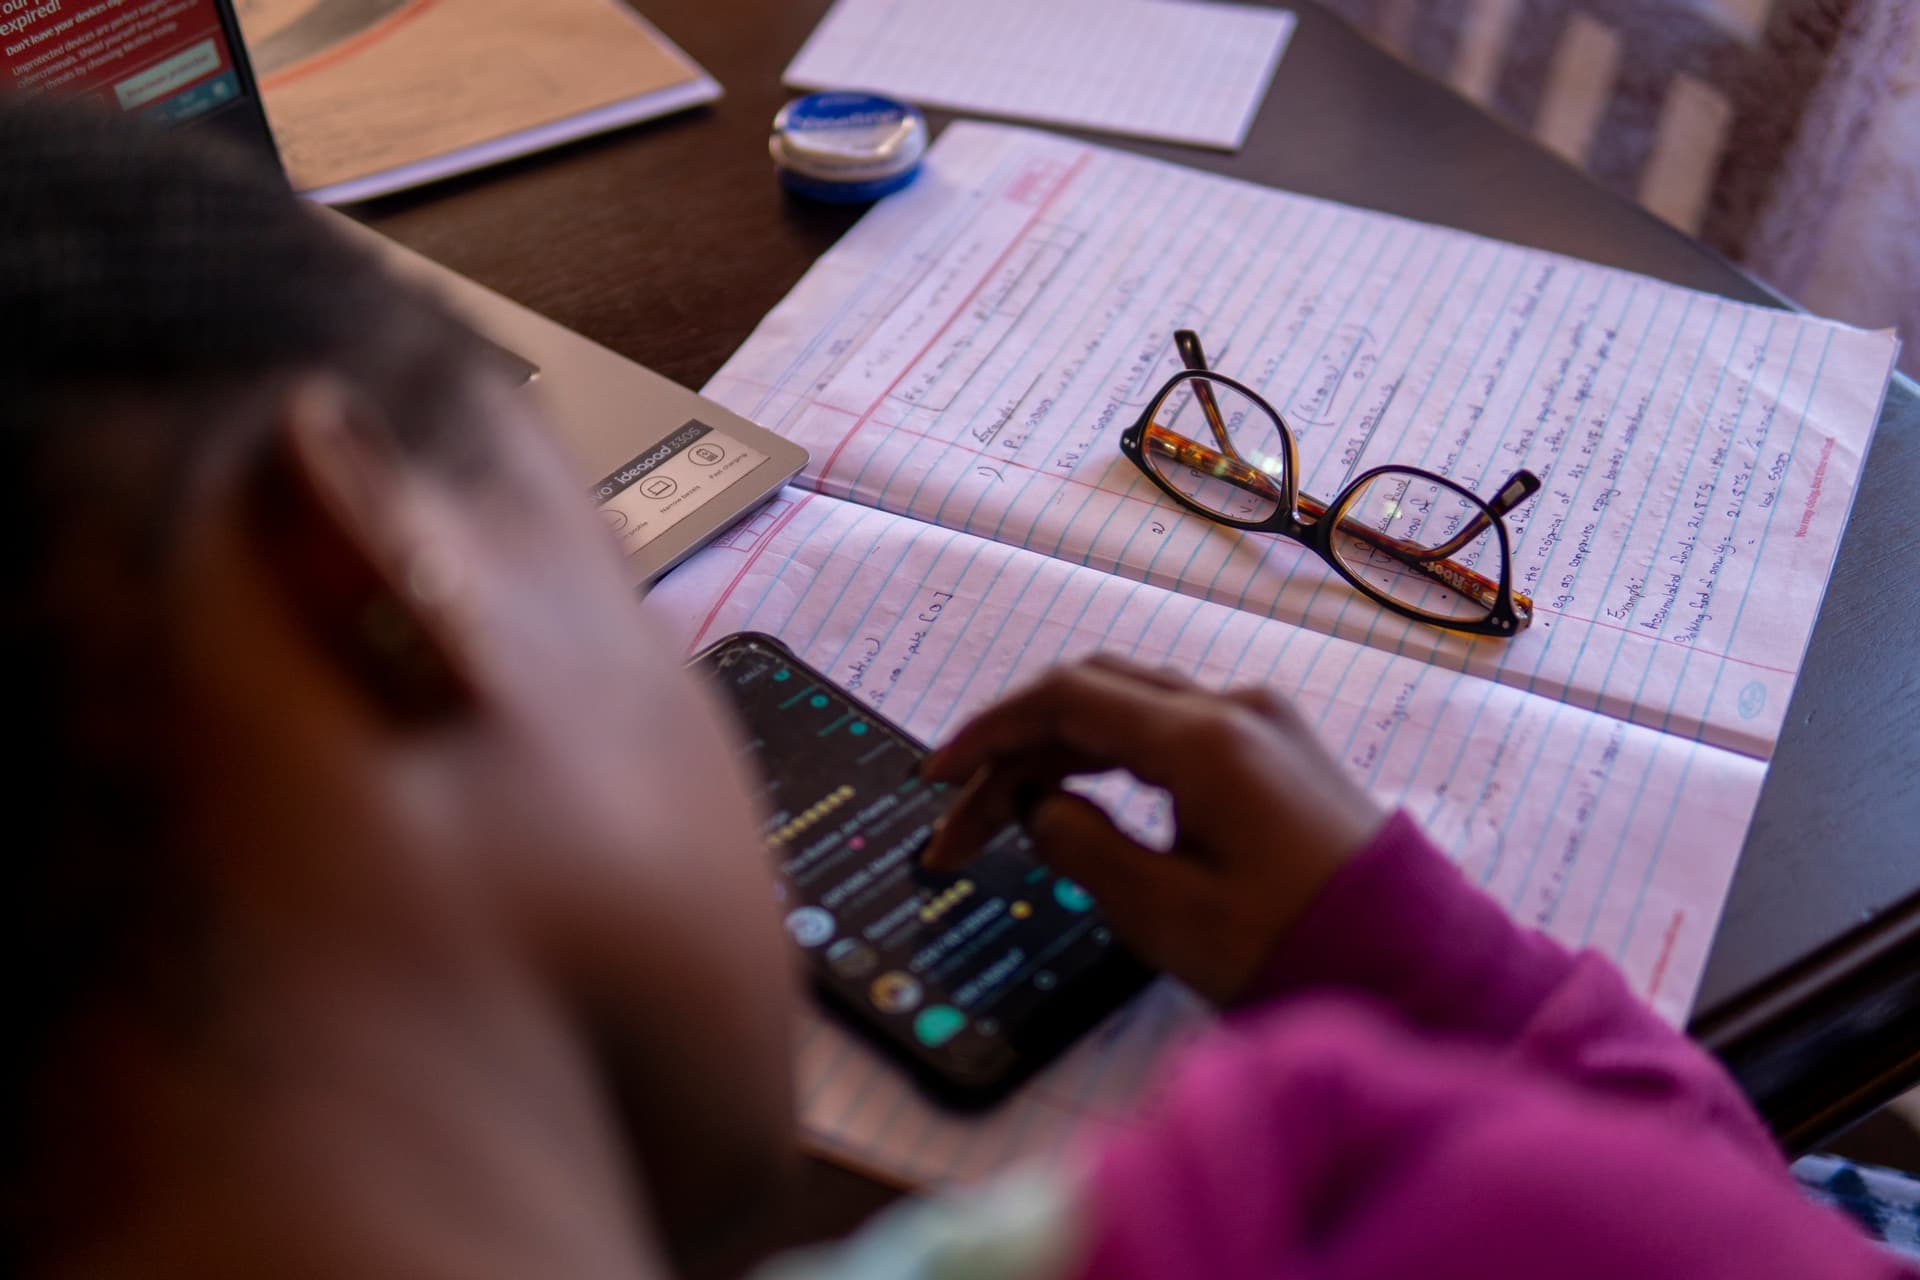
<point x="765" y="542"/>
<point x="1067" y="180"/>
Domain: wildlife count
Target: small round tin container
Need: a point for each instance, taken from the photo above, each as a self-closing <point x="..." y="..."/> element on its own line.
<point x="847" y="148"/>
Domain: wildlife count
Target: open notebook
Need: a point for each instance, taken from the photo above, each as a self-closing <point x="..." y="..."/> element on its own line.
<point x="960" y="366"/>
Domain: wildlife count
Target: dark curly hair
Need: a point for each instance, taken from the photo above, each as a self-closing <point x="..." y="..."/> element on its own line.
<point x="161" y="273"/>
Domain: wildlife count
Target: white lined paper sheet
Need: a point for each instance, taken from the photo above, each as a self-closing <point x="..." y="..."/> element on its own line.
<point x="960" y="367"/>
<point x="970" y="352"/>
<point x="1191" y="72"/>
<point x="1606" y="834"/>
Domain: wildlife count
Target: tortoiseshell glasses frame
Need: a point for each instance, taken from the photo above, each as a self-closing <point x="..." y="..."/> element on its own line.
<point x="1378" y="537"/>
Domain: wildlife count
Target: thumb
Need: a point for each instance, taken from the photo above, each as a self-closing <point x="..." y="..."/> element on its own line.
<point x="1145" y="895"/>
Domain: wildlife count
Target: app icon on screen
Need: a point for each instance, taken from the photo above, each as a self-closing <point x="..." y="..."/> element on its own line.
<point x="852" y="958"/>
<point x="895" y="992"/>
<point x="937" y="1024"/>
<point x="1072" y="896"/>
<point x="810" y="926"/>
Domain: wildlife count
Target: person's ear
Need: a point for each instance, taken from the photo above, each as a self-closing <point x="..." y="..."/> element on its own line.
<point x="349" y="539"/>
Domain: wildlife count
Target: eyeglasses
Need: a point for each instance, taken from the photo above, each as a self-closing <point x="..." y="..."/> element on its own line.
<point x="1410" y="539"/>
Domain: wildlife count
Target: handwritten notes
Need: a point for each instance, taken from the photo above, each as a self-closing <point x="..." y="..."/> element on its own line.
<point x="969" y="354"/>
<point x="961" y="367"/>
<point x="1606" y="834"/>
<point x="1188" y="72"/>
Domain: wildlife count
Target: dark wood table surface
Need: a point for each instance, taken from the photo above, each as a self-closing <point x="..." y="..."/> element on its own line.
<point x="669" y="242"/>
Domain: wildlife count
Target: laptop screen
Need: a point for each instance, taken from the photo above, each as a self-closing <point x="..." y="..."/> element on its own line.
<point x="171" y="61"/>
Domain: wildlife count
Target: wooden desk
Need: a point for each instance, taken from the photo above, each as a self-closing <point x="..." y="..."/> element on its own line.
<point x="670" y="242"/>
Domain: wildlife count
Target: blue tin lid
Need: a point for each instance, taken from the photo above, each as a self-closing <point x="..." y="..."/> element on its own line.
<point x="845" y="192"/>
<point x="847" y="146"/>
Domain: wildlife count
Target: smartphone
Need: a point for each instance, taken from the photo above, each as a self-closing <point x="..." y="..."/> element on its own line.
<point x="973" y="979"/>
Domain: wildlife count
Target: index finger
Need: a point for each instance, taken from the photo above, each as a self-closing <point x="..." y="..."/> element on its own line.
<point x="1106" y="716"/>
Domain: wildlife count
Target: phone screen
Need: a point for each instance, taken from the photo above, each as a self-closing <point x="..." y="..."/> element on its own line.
<point x="974" y="976"/>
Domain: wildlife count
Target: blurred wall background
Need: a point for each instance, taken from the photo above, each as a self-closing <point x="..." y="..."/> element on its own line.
<point x="1783" y="133"/>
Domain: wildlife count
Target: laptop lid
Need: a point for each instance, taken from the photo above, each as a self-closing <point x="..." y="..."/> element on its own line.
<point x="178" y="62"/>
<point x="668" y="468"/>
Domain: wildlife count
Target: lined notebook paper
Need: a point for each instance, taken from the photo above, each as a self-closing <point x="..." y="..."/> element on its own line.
<point x="970" y="353"/>
<point x="1183" y="72"/>
<point x="1607" y="834"/>
<point x="961" y="365"/>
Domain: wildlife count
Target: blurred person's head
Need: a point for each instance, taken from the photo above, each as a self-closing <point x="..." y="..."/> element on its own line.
<point x="368" y="858"/>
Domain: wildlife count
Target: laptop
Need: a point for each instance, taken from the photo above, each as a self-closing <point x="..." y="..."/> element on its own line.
<point x="668" y="469"/>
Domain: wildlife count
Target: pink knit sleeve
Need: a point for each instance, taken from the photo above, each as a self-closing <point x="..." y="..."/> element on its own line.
<point x="1422" y="1087"/>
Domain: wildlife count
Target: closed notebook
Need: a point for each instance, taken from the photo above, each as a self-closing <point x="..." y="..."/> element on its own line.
<point x="368" y="97"/>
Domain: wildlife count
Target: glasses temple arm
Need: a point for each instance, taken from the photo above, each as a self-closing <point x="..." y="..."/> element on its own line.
<point x="1520" y="486"/>
<point x="1187" y="343"/>
<point x="1194" y="357"/>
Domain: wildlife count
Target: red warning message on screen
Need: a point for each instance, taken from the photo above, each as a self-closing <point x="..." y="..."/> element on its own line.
<point x="139" y="55"/>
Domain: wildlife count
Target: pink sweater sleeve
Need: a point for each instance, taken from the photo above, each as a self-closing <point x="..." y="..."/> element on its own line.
<point x="1423" y="1088"/>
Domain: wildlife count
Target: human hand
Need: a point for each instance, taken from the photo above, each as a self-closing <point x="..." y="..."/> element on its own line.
<point x="1263" y="817"/>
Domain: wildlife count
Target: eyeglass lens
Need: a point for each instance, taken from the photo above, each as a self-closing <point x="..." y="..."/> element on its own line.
<point x="1422" y="543"/>
<point x="1182" y="446"/>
